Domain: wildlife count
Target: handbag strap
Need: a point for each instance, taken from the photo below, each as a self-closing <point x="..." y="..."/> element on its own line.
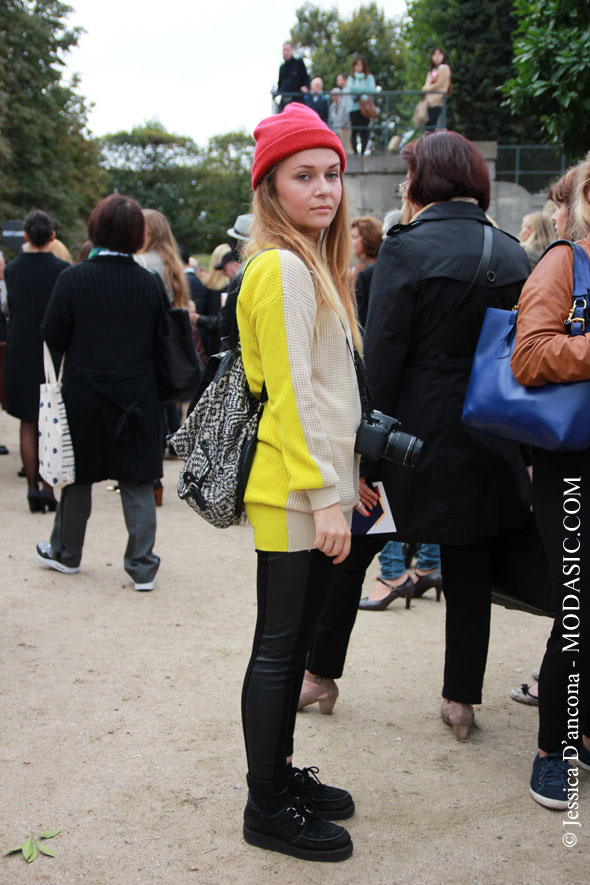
<point x="579" y="314"/>
<point x="427" y="342"/>
<point x="49" y="368"/>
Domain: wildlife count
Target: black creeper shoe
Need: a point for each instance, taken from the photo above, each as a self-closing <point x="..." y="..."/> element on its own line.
<point x="295" y="830"/>
<point x="329" y="803"/>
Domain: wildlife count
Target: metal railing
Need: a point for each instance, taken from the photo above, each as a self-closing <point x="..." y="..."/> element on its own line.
<point x="396" y="109"/>
<point x="533" y="166"/>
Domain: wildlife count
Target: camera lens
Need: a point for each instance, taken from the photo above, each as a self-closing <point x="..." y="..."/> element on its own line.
<point x="403" y="448"/>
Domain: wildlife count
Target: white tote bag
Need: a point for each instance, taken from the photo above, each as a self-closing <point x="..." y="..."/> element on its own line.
<point x="56" y="454"/>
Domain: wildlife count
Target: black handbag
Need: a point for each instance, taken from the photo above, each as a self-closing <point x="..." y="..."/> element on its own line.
<point x="520" y="571"/>
<point x="178" y="366"/>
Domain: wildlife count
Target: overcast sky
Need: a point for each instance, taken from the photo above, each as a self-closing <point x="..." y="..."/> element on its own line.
<point x="201" y="69"/>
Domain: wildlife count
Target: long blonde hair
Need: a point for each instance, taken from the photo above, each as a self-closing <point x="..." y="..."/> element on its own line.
<point x="217" y="280"/>
<point x="160" y="239"/>
<point x="582" y="197"/>
<point x="329" y="264"/>
<point x="542" y="234"/>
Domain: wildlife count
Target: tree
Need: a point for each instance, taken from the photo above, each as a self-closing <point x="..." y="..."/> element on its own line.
<point x="199" y="190"/>
<point x="476" y="36"/>
<point x="47" y="155"/>
<point x="552" y="79"/>
<point x="330" y="42"/>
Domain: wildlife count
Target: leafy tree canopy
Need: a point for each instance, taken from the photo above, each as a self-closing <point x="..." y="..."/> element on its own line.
<point x="201" y="191"/>
<point x="552" y="80"/>
<point x="47" y="158"/>
<point x="476" y="36"/>
<point x="330" y="42"/>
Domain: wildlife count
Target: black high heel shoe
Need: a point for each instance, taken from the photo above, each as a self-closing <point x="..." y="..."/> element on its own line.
<point x="36" y="504"/>
<point x="48" y="500"/>
<point x="426" y="582"/>
<point x="378" y="605"/>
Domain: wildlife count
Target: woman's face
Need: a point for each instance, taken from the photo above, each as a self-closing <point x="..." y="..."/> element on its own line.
<point x="437" y="57"/>
<point x="358" y="66"/>
<point x="358" y="247"/>
<point x="309" y="189"/>
<point x="560" y="219"/>
<point x="525" y="232"/>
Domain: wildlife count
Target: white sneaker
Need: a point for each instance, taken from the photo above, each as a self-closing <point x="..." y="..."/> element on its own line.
<point x="149" y="586"/>
<point x="45" y="554"/>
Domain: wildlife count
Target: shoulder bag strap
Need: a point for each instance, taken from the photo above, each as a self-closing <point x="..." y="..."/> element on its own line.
<point x="233" y="338"/>
<point x="49" y="368"/>
<point x="427" y="342"/>
<point x="579" y="314"/>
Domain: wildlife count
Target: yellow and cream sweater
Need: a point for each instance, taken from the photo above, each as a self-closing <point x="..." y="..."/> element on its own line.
<point x="305" y="456"/>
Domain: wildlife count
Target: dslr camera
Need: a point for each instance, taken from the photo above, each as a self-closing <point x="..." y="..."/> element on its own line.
<point x="377" y="437"/>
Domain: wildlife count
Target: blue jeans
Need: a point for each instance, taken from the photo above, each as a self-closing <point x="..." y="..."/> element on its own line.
<point x="392" y="559"/>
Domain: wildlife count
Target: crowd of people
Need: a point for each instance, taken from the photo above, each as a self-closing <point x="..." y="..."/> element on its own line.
<point x="345" y="110"/>
<point x="285" y="280"/>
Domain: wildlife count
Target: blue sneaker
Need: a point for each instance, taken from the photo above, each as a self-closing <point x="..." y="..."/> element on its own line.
<point x="549" y="780"/>
<point x="583" y="757"/>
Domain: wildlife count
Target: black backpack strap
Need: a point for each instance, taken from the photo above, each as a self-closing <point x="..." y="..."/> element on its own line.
<point x="233" y="339"/>
<point x="428" y="341"/>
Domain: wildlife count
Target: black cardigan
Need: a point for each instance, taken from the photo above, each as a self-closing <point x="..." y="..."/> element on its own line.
<point x="105" y="314"/>
<point x="465" y="485"/>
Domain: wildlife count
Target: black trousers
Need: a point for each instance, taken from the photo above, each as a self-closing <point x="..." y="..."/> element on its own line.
<point x="291" y="589"/>
<point x="561" y="501"/>
<point x="433" y="115"/>
<point x="332" y="635"/>
<point x="360" y="130"/>
<point x="467" y="585"/>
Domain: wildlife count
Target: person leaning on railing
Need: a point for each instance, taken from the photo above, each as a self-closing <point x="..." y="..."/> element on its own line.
<point x="360" y="85"/>
<point x="437" y="86"/>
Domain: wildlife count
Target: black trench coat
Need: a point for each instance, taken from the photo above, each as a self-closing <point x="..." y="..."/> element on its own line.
<point x="466" y="485"/>
<point x="105" y="314"/>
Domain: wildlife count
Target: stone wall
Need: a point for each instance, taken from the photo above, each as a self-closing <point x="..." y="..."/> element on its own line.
<point x="372" y="188"/>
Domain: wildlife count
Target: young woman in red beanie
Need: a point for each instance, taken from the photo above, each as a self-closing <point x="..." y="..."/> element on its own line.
<point x="298" y="328"/>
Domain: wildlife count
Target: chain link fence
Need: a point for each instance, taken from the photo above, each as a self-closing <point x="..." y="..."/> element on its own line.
<point x="534" y="167"/>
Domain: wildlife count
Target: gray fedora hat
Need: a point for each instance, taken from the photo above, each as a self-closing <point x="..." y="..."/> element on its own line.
<point x="241" y="228"/>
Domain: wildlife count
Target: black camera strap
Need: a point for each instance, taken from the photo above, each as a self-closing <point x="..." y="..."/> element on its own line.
<point x="361" y="379"/>
<point x="427" y="342"/>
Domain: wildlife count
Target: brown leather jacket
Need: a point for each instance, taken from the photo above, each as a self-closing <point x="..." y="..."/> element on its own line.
<point x="544" y="351"/>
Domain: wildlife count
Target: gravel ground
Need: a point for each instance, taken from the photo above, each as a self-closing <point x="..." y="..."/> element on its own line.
<point x="121" y="724"/>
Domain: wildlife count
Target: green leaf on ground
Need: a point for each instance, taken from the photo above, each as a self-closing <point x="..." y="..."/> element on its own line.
<point x="49" y="834"/>
<point x="44" y="850"/>
<point x="28" y="849"/>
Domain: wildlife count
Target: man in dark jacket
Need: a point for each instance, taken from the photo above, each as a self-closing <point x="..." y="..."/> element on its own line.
<point x="293" y="77"/>
<point x="316" y="100"/>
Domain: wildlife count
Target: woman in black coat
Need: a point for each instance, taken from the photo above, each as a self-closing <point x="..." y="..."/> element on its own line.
<point x="105" y="314"/>
<point x="30" y="278"/>
<point x="466" y="487"/>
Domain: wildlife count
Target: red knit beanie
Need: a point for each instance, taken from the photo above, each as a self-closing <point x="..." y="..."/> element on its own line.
<point x="297" y="128"/>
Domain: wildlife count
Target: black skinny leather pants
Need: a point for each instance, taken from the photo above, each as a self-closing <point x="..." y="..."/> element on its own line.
<point x="291" y="589"/>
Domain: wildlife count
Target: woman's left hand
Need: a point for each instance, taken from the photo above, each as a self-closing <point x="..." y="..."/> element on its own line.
<point x="367" y="495"/>
<point x="332" y="532"/>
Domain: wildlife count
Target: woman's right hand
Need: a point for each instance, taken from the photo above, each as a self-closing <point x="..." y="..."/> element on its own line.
<point x="332" y="532"/>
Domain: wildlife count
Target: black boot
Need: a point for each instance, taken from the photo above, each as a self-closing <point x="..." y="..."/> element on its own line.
<point x="330" y="803"/>
<point x="295" y="830"/>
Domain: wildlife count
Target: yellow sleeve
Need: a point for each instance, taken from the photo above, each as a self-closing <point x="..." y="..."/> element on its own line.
<point x="276" y="316"/>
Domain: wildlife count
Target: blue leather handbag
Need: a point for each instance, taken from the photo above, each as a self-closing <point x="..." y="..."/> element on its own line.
<point x="554" y="416"/>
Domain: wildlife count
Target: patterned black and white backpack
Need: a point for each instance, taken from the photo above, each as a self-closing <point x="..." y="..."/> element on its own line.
<point x="218" y="440"/>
